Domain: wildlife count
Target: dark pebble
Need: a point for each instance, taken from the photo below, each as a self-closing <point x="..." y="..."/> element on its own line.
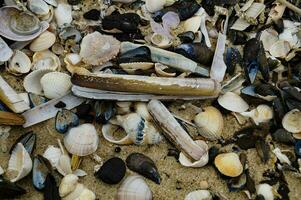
<point x="74" y="2"/>
<point x="60" y="104"/>
<point x="117" y="149"/>
<point x="92" y="14"/>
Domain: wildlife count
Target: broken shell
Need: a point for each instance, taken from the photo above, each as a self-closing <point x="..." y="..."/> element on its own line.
<point x="161" y="41"/>
<point x="19" y="63"/>
<point x="280" y="49"/>
<point x="64" y="163"/>
<point x="268" y="38"/>
<point x="43" y="42"/>
<point x="63" y="14"/>
<point x="32" y="83"/>
<point x="38" y="7"/>
<point x="53" y="154"/>
<point x="45" y="60"/>
<point x="134" y="187"/>
<point x="5" y="52"/>
<point x="210" y="123"/>
<point x="199" y="195"/>
<point x="232" y="102"/>
<point x="154" y="5"/>
<point x="97" y="49"/>
<point x="291" y="121"/>
<point x="228" y="164"/>
<point x="131" y="68"/>
<point x="68" y="184"/>
<point x="19" y="164"/>
<point x="64" y="120"/>
<point x="159" y="68"/>
<point x="266" y="191"/>
<point x="28" y="140"/>
<point x="56" y="84"/>
<point x="192" y="24"/>
<point x="141" y="109"/>
<point x="261" y="114"/>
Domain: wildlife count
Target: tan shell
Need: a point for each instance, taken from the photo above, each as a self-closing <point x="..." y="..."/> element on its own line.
<point x="82" y="140"/>
<point x="160" y="41"/>
<point x="68" y="184"/>
<point x="43" y="42"/>
<point x="131" y="68"/>
<point x="141" y="109"/>
<point x="233" y="102"/>
<point x="192" y="24"/>
<point x="45" y="60"/>
<point x="159" y="68"/>
<point x="19" y="63"/>
<point x="32" y="83"/>
<point x="261" y="114"/>
<point x="292" y="121"/>
<point x="228" y="164"/>
<point x="199" y="195"/>
<point x="74" y="64"/>
<point x="280" y="49"/>
<point x="97" y="49"/>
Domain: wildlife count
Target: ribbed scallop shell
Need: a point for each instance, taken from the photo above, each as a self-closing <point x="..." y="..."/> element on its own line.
<point x="53" y="154"/>
<point x="199" y="195"/>
<point x="43" y="42"/>
<point x="20" y="163"/>
<point x="134" y="188"/>
<point x="32" y="83"/>
<point x="233" y="102"/>
<point x="45" y="60"/>
<point x="19" y="63"/>
<point x="56" y="84"/>
<point x="82" y="140"/>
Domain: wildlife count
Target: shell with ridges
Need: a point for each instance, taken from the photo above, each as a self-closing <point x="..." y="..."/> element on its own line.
<point x="291" y="121"/>
<point x="43" y="42"/>
<point x="45" y="60"/>
<point x="19" y="63"/>
<point x="233" y="102"/>
<point x="159" y="68"/>
<point x="199" y="195"/>
<point x="228" y="164"/>
<point x="32" y="83"/>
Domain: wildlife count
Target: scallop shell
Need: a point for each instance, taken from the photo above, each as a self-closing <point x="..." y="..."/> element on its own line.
<point x="228" y="164"/>
<point x="53" y="154"/>
<point x="82" y="140"/>
<point x="134" y="187"/>
<point x="97" y="49"/>
<point x="280" y="49"/>
<point x="20" y="163"/>
<point x="43" y="42"/>
<point x="63" y="14"/>
<point x="38" y="7"/>
<point x="210" y="122"/>
<point x="233" y="102"/>
<point x="68" y="184"/>
<point x="19" y="63"/>
<point x="160" y="41"/>
<point x="56" y="84"/>
<point x="261" y="114"/>
<point x="154" y="5"/>
<point x="192" y="24"/>
<point x="5" y="52"/>
<point x="199" y="195"/>
<point x="45" y="60"/>
<point x="32" y="83"/>
<point x="291" y="121"/>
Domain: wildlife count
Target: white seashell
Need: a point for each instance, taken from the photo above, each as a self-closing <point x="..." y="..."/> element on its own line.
<point x="228" y="164"/>
<point x="123" y="107"/>
<point x="280" y="49"/>
<point x="233" y="102"/>
<point x="68" y="184"/>
<point x="24" y="96"/>
<point x="82" y="140"/>
<point x="134" y="187"/>
<point x="48" y="18"/>
<point x="210" y="123"/>
<point x="159" y="68"/>
<point x="124" y="1"/>
<point x="64" y="165"/>
<point x="199" y="195"/>
<point x="268" y="38"/>
<point x="261" y="114"/>
<point x="75" y="193"/>
<point x="1" y="170"/>
<point x="73" y="58"/>
<point x="51" y="2"/>
<point x="56" y="84"/>
<point x="5" y="52"/>
<point x="43" y="42"/>
<point x="53" y="154"/>
<point x="281" y="157"/>
<point x="32" y="83"/>
<point x="63" y="14"/>
<point x="87" y="195"/>
<point x="141" y="109"/>
<point x="154" y="5"/>
<point x="192" y="24"/>
<point x="131" y="68"/>
<point x="19" y="63"/>
<point x="80" y="173"/>
<point x="266" y="191"/>
<point x="45" y="60"/>
<point x="19" y="164"/>
<point x="38" y="7"/>
<point x="291" y="121"/>
<point x="161" y="41"/>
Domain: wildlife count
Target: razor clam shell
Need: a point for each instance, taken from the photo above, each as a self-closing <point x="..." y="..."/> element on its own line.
<point x="8" y="118"/>
<point x="5" y="51"/>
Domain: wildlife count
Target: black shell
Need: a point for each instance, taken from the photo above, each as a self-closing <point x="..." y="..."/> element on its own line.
<point x="92" y="14"/>
<point x="140" y="54"/>
<point x="186" y="37"/>
<point x="283" y="136"/>
<point x="28" y="140"/>
<point x="237" y="37"/>
<point x="233" y="58"/>
<point x="104" y="111"/>
<point x="127" y="23"/>
<point x="9" y="189"/>
<point x="41" y="168"/>
<point x="263" y="150"/>
<point x="51" y="191"/>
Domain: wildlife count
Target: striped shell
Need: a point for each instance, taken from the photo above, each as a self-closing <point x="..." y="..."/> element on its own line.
<point x="43" y="42"/>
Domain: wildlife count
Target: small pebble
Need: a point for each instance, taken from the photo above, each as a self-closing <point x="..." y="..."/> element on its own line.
<point x="74" y="2"/>
<point x="204" y="185"/>
<point x="92" y="15"/>
<point x="60" y="104"/>
<point x="117" y="149"/>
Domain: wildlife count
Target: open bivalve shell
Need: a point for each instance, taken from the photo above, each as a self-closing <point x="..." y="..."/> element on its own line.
<point x="56" y="84"/>
<point x="280" y="49"/>
<point x="45" y="60"/>
<point x="5" y="52"/>
<point x="53" y="154"/>
<point x="228" y="164"/>
<point x="160" y="41"/>
<point x="261" y="114"/>
<point x="32" y="83"/>
<point x="292" y="121"/>
<point x="233" y="102"/>
<point x="43" y="42"/>
<point x="20" y="163"/>
<point x="199" y="195"/>
<point x="134" y="187"/>
<point x="19" y="64"/>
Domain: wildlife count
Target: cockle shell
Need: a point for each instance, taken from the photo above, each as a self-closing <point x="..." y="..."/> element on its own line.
<point x="56" y="84"/>
<point x="53" y="154"/>
<point x="210" y="123"/>
<point x="63" y="14"/>
<point x="199" y="195"/>
<point x="292" y="121"/>
<point x="160" y="41"/>
<point x="232" y="102"/>
<point x="43" y="42"/>
<point x="154" y="5"/>
<point x="192" y="24"/>
<point x="45" y="60"/>
<point x="228" y="164"/>
<point x="32" y="83"/>
<point x="5" y="52"/>
<point x="19" y="63"/>
<point x="38" y="7"/>
<point x="20" y="163"/>
<point x="97" y="49"/>
<point x="261" y="114"/>
<point x="134" y="187"/>
<point x="82" y="140"/>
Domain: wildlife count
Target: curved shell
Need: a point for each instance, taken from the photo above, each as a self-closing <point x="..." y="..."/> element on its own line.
<point x="19" y="63"/>
<point x="160" y="41"/>
<point x="266" y="191"/>
<point x="97" y="49"/>
<point x="131" y="68"/>
<point x="38" y="7"/>
<point x="134" y="187"/>
<point x="1" y="170"/>
<point x="292" y="121"/>
<point x="53" y="154"/>
<point x="210" y="122"/>
<point x="192" y="24"/>
<point x="141" y="109"/>
<point x="268" y="38"/>
<point x="32" y="83"/>
<point x="45" y="60"/>
<point x="228" y="164"/>
<point x="63" y="14"/>
<point x="233" y="102"/>
<point x="68" y="184"/>
<point x="5" y="52"/>
<point x="56" y="84"/>
<point x="20" y="163"/>
<point x="261" y="114"/>
<point x="154" y="5"/>
<point x="199" y="195"/>
<point x="280" y="49"/>
<point x="82" y="140"/>
<point x="43" y="42"/>
<point x="159" y="68"/>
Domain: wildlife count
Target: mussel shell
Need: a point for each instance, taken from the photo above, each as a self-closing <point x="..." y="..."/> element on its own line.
<point x="263" y="150"/>
<point x="187" y="37"/>
<point x="36" y="100"/>
<point x="143" y="165"/>
<point x="237" y="183"/>
<point x="41" y="168"/>
<point x="263" y="63"/>
<point x="298" y="148"/>
<point x="265" y="89"/>
<point x="283" y="136"/>
<point x="51" y="191"/>
<point x="28" y="140"/>
<point x="279" y="109"/>
<point x="9" y="189"/>
<point x="233" y="58"/>
<point x="104" y="111"/>
<point x="292" y="92"/>
<point x="127" y="23"/>
<point x="237" y="37"/>
<point x="85" y="111"/>
<point x="140" y="54"/>
<point x="65" y="119"/>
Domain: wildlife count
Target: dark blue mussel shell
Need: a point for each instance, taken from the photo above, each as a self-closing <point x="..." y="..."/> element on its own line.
<point x="187" y="37"/>
<point x="65" y="119"/>
<point x="298" y="148"/>
<point x="41" y="168"/>
<point x="9" y="190"/>
<point x="233" y="58"/>
<point x="237" y="183"/>
<point x="140" y="54"/>
<point x="51" y="191"/>
<point x="28" y="140"/>
<point x="104" y="111"/>
<point x="36" y="100"/>
<point x="127" y="23"/>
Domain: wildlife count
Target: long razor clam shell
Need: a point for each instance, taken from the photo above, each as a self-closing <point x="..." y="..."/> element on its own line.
<point x="171" y="59"/>
<point x="48" y="110"/>
<point x="8" y="118"/>
<point x="150" y="85"/>
<point x="174" y="131"/>
<point x="125" y="96"/>
<point x="10" y="98"/>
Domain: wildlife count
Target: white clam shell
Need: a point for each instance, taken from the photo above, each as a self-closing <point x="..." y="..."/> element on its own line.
<point x="280" y="49"/>
<point x="82" y="140"/>
<point x="87" y="195"/>
<point x="228" y="164"/>
<point x="75" y="193"/>
<point x="134" y="187"/>
<point x="261" y="114"/>
<point x="266" y="191"/>
<point x="32" y="83"/>
<point x="160" y="41"/>
<point x="292" y="121"/>
<point x="43" y="42"/>
<point x="20" y="163"/>
<point x="19" y="63"/>
<point x="192" y="24"/>
<point x="131" y="68"/>
<point x="154" y="5"/>
<point x="53" y="154"/>
<point x="268" y="38"/>
<point x="38" y="7"/>
<point x="64" y="165"/>
<point x="199" y="195"/>
<point x="281" y="157"/>
<point x="68" y="184"/>
<point x="141" y="109"/>
<point x="45" y="60"/>
<point x="63" y="14"/>
<point x="5" y="52"/>
<point x="56" y="84"/>
<point x="233" y="102"/>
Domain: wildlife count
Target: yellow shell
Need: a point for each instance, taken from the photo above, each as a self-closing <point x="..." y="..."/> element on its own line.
<point x="228" y="164"/>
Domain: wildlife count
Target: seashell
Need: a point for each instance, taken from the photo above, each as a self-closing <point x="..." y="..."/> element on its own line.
<point x="10" y="190"/>
<point x="291" y="121"/>
<point x="283" y="136"/>
<point x="192" y="24"/>
<point x="134" y="187"/>
<point x="97" y="49"/>
<point x="268" y="38"/>
<point x="1" y="170"/>
<point x="154" y="5"/>
<point x="53" y="154"/>
<point x="280" y="49"/>
<point x="159" y="68"/>
<point x="233" y="102"/>
<point x="19" y="164"/>
<point x="124" y="1"/>
<point x="32" y="83"/>
<point x="143" y="165"/>
<point x="51" y="190"/>
<point x="74" y="64"/>
<point x="56" y="84"/>
<point x="112" y="171"/>
<point x="48" y="18"/>
<point x="210" y="123"/>
<point x="28" y="140"/>
<point x="43" y="42"/>
<point x="57" y="48"/>
<point x="228" y="164"/>
<point x="261" y="114"/>
<point x="199" y="195"/>
<point x="51" y="2"/>
<point x="45" y="60"/>
<point x="65" y="119"/>
<point x="104" y="111"/>
<point x="123" y="107"/>
<point x="64" y="163"/>
<point x="237" y="183"/>
<point x="281" y="157"/>
<point x="68" y="184"/>
<point x="266" y="191"/>
<point x="73" y="58"/>
<point x="141" y="109"/>
<point x="19" y="63"/>
<point x="41" y="167"/>
<point x="187" y="37"/>
<point x="38" y="7"/>
<point x="161" y="41"/>
<point x="70" y="32"/>
<point x="63" y="14"/>
<point x="35" y="100"/>
<point x="17" y="25"/>
<point x="5" y="52"/>
<point x="131" y="68"/>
